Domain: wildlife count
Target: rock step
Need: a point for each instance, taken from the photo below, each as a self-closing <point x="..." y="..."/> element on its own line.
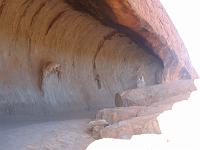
<point x="113" y="115"/>
<point x="134" y="120"/>
<point x="127" y="121"/>
<point x="135" y="126"/>
<point x="152" y="94"/>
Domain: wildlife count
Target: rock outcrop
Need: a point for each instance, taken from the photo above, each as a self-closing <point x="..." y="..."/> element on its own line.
<point x="148" y="22"/>
<point x="156" y="93"/>
<point x="140" y="119"/>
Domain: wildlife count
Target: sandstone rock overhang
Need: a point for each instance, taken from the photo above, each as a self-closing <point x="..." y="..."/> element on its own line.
<point x="56" y="60"/>
<point x="148" y="23"/>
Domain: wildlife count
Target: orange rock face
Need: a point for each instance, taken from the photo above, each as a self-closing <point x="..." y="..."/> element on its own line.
<point x="150" y="25"/>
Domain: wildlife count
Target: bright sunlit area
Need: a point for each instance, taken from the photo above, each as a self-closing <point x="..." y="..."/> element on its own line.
<point x="186" y="17"/>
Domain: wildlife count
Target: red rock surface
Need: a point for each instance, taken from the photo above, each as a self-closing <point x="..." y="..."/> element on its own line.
<point x="149" y="21"/>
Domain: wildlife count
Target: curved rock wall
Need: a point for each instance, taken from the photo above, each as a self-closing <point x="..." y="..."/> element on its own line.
<point x="54" y="59"/>
<point x="148" y="22"/>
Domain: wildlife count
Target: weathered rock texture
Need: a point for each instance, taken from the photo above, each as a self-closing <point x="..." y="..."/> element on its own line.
<point x="127" y="121"/>
<point x="148" y="20"/>
<point x="134" y="126"/>
<point x="173" y="91"/>
<point x="54" y="59"/>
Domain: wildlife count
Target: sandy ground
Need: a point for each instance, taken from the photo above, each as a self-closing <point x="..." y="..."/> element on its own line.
<point x="17" y="133"/>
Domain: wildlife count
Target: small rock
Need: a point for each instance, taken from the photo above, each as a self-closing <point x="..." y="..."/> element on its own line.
<point x="94" y="127"/>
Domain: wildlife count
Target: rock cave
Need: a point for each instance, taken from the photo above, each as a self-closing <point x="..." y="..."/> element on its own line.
<point x="110" y="67"/>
